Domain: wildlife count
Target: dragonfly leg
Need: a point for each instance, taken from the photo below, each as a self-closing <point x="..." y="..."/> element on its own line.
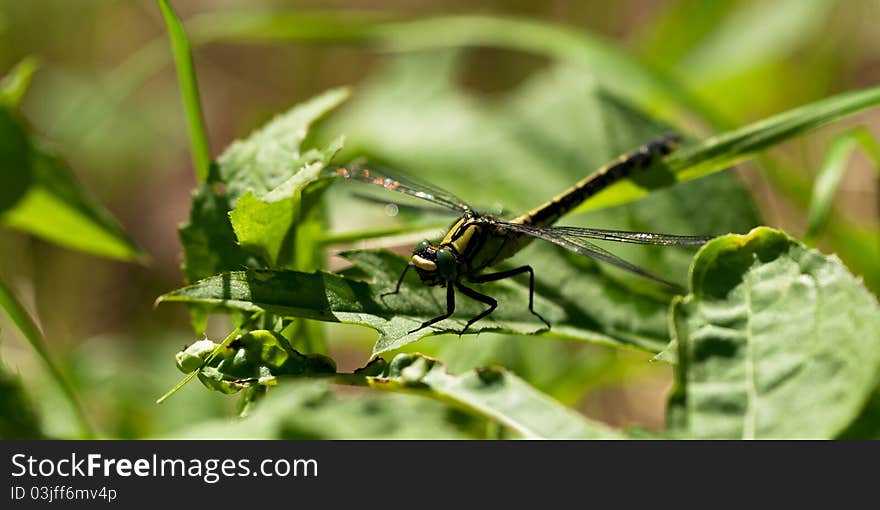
<point x="450" y="307"/>
<point x="399" y="282"/>
<point x="471" y="293"/>
<point x="513" y="272"/>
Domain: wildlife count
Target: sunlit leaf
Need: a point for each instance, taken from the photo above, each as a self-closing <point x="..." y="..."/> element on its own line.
<point x="38" y="193"/>
<point x="270" y="155"/>
<point x="265" y="225"/>
<point x="775" y="341"/>
<point x="55" y="208"/>
<point x="329" y="297"/>
<point x="269" y="158"/>
<point x="494" y="393"/>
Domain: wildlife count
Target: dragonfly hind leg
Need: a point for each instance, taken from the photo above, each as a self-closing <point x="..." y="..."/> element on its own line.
<point x="471" y="293"/>
<point x="507" y="274"/>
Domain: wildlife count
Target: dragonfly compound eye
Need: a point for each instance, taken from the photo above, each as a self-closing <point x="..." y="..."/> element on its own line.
<point x="445" y="262"/>
<point x="421" y="247"/>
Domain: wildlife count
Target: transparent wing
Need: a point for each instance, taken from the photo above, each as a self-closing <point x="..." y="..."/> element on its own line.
<point x="624" y="236"/>
<point x="576" y="240"/>
<point x="425" y="209"/>
<point x="394" y="182"/>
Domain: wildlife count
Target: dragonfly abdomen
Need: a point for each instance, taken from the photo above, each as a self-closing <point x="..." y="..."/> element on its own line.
<point x="637" y="159"/>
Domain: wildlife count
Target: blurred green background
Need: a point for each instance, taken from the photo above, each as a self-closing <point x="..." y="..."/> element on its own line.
<point x="741" y="60"/>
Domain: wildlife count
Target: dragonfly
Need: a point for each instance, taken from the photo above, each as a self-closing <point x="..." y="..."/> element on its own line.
<point x="478" y="241"/>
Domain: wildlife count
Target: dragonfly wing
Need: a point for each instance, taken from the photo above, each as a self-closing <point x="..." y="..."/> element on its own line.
<point x="624" y="236"/>
<point x="394" y="182"/>
<point x="580" y="245"/>
<point x="427" y="209"/>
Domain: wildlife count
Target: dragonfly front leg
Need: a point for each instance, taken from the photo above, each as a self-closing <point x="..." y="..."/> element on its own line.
<point x="399" y="282"/>
<point x="513" y="272"/>
<point x="450" y="307"/>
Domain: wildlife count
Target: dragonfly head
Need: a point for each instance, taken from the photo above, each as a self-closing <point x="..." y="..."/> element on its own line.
<point x="434" y="264"/>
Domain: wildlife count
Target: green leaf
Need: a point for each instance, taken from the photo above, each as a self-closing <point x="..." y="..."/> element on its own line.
<point x="257" y="357"/>
<point x="271" y="155"/>
<point x="310" y="410"/>
<point x="775" y="341"/>
<point x="189" y="90"/>
<point x="15" y="154"/>
<point x="39" y="195"/>
<point x="556" y="367"/>
<point x="493" y="393"/>
<point x="209" y="244"/>
<point x="29" y="329"/>
<point x="266" y="226"/>
<point x="329" y="297"/>
<point x="269" y="158"/>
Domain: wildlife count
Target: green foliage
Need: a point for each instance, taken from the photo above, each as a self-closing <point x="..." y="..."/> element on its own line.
<point x="490" y="393"/>
<point x="265" y="226"/>
<point x="775" y="341"/>
<point x="255" y="358"/>
<point x="494" y="393"/>
<point x="410" y="116"/>
<point x="771" y="340"/>
<point x="329" y="297"/>
<point x="271" y="171"/>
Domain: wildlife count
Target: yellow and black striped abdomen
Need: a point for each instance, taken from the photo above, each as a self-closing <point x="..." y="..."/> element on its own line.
<point x="620" y="168"/>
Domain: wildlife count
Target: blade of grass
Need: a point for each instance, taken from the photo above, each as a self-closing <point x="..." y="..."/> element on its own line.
<point x="624" y="74"/>
<point x="34" y="336"/>
<point x="831" y="172"/>
<point x="186" y="75"/>
<point x="722" y="151"/>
